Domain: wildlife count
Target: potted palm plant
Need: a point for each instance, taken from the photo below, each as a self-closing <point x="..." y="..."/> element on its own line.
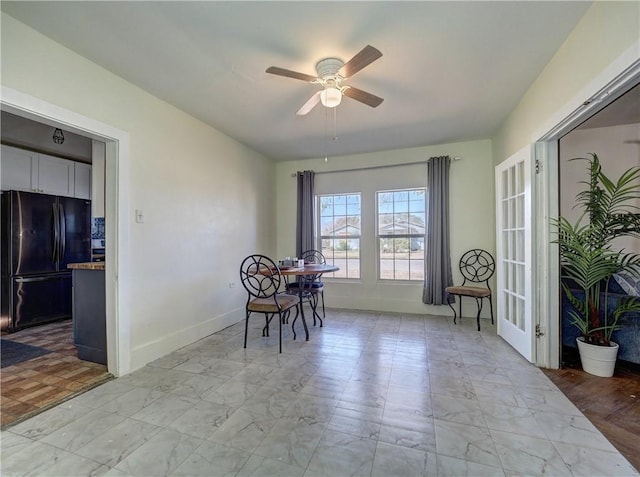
<point x="590" y="259"/>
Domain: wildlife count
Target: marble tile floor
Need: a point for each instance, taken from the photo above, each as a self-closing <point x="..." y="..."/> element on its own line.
<point x="371" y="394"/>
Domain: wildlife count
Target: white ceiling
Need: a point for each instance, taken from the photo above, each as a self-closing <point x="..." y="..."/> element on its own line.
<point x="450" y="71"/>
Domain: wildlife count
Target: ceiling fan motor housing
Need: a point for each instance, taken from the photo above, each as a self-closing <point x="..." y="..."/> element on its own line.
<point x="328" y="67"/>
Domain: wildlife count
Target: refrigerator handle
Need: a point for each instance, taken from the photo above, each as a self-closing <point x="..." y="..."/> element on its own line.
<point x="56" y="234"/>
<point x="63" y="232"/>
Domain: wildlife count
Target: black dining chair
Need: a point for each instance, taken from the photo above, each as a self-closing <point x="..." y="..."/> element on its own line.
<point x="312" y="285"/>
<point x="477" y="266"/>
<point x="261" y="277"/>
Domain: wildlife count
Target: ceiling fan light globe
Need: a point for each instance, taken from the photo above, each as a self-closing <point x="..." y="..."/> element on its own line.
<point x="330" y="97"/>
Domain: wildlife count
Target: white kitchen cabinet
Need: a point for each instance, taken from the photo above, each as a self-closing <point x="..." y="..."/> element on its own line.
<point x="29" y="171"/>
<point x="56" y="176"/>
<point x="82" y="180"/>
<point x="18" y="169"/>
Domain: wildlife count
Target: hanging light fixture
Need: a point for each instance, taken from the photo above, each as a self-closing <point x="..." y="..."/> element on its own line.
<point x="58" y="136"/>
<point x="330" y="97"/>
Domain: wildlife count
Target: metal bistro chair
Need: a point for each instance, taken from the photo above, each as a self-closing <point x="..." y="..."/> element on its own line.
<point x="476" y="266"/>
<point x="312" y="285"/>
<point x="261" y="278"/>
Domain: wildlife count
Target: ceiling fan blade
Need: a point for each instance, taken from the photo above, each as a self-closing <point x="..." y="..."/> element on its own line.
<point x="274" y="70"/>
<point x="309" y="105"/>
<point x="363" y="58"/>
<point x="364" y="97"/>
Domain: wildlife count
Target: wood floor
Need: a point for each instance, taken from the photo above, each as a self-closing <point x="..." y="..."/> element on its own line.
<point x="32" y="386"/>
<point x="611" y="404"/>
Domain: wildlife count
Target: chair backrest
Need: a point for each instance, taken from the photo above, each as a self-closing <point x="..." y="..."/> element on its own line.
<point x="477" y="266"/>
<point x="313" y="256"/>
<point x="260" y="276"/>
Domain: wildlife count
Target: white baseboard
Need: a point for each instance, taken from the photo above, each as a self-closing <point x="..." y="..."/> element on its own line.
<point x="385" y="304"/>
<point x="151" y="351"/>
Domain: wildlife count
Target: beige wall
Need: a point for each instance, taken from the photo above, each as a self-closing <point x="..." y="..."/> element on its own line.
<point x="472" y="217"/>
<point x="603" y="44"/>
<point x="207" y="200"/>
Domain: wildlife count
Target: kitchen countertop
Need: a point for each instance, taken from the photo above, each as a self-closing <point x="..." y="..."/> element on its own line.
<point x="86" y="266"/>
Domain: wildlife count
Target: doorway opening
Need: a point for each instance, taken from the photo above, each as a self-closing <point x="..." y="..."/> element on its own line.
<point x="116" y="206"/>
<point x="56" y="373"/>
<point x="613" y="133"/>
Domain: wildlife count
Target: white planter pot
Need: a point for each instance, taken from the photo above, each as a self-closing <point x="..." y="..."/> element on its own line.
<point x="598" y="360"/>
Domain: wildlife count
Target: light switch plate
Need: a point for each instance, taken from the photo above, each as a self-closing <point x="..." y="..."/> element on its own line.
<point x="139" y="216"/>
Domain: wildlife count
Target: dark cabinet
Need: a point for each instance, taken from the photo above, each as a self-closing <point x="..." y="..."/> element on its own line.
<point x="89" y="315"/>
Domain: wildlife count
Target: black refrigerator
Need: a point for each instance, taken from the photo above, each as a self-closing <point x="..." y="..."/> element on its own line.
<point x="40" y="235"/>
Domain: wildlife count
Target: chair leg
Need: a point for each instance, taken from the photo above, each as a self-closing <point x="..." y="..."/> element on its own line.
<point x="267" y="319"/>
<point x="246" y="329"/>
<point x="323" y="314"/>
<point x="312" y="304"/>
<point x="293" y="323"/>
<point x="479" y="305"/>
<point x="491" y="310"/>
<point x="280" y="331"/>
<point x="451" y="306"/>
<point x="313" y="298"/>
<point x="310" y="300"/>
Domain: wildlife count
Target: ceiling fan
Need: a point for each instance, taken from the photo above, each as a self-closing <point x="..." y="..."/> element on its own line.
<point x="332" y="72"/>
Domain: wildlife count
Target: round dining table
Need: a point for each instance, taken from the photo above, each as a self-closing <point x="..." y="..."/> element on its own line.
<point x="309" y="269"/>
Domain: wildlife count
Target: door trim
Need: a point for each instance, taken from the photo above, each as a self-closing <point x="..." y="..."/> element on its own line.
<point x="547" y="273"/>
<point x="117" y="269"/>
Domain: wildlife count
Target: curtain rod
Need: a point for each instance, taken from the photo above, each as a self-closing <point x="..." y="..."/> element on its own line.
<point x="294" y="174"/>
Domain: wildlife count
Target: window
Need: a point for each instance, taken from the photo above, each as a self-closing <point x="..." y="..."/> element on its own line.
<point x="340" y="232"/>
<point x="401" y="229"/>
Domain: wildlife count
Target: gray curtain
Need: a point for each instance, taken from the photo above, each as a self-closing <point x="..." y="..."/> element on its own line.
<point x="437" y="250"/>
<point x="304" y="221"/>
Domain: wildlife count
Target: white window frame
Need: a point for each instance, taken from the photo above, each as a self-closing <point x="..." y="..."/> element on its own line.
<point x="410" y="237"/>
<point x="344" y="271"/>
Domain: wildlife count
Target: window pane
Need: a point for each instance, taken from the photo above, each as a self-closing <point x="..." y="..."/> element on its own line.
<point x="416" y="270"/>
<point x="400" y="196"/>
<point x="326" y="205"/>
<point x="385" y="202"/>
<point x="417" y="223"/>
<point x="353" y="204"/>
<point x="417" y="247"/>
<point x="386" y="269"/>
<point x="340" y="205"/>
<point x="385" y="224"/>
<point x="416" y="205"/>
<point x="326" y="225"/>
<point x="401" y="206"/>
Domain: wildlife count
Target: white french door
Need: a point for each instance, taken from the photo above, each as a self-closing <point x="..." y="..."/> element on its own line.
<point x="514" y="267"/>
